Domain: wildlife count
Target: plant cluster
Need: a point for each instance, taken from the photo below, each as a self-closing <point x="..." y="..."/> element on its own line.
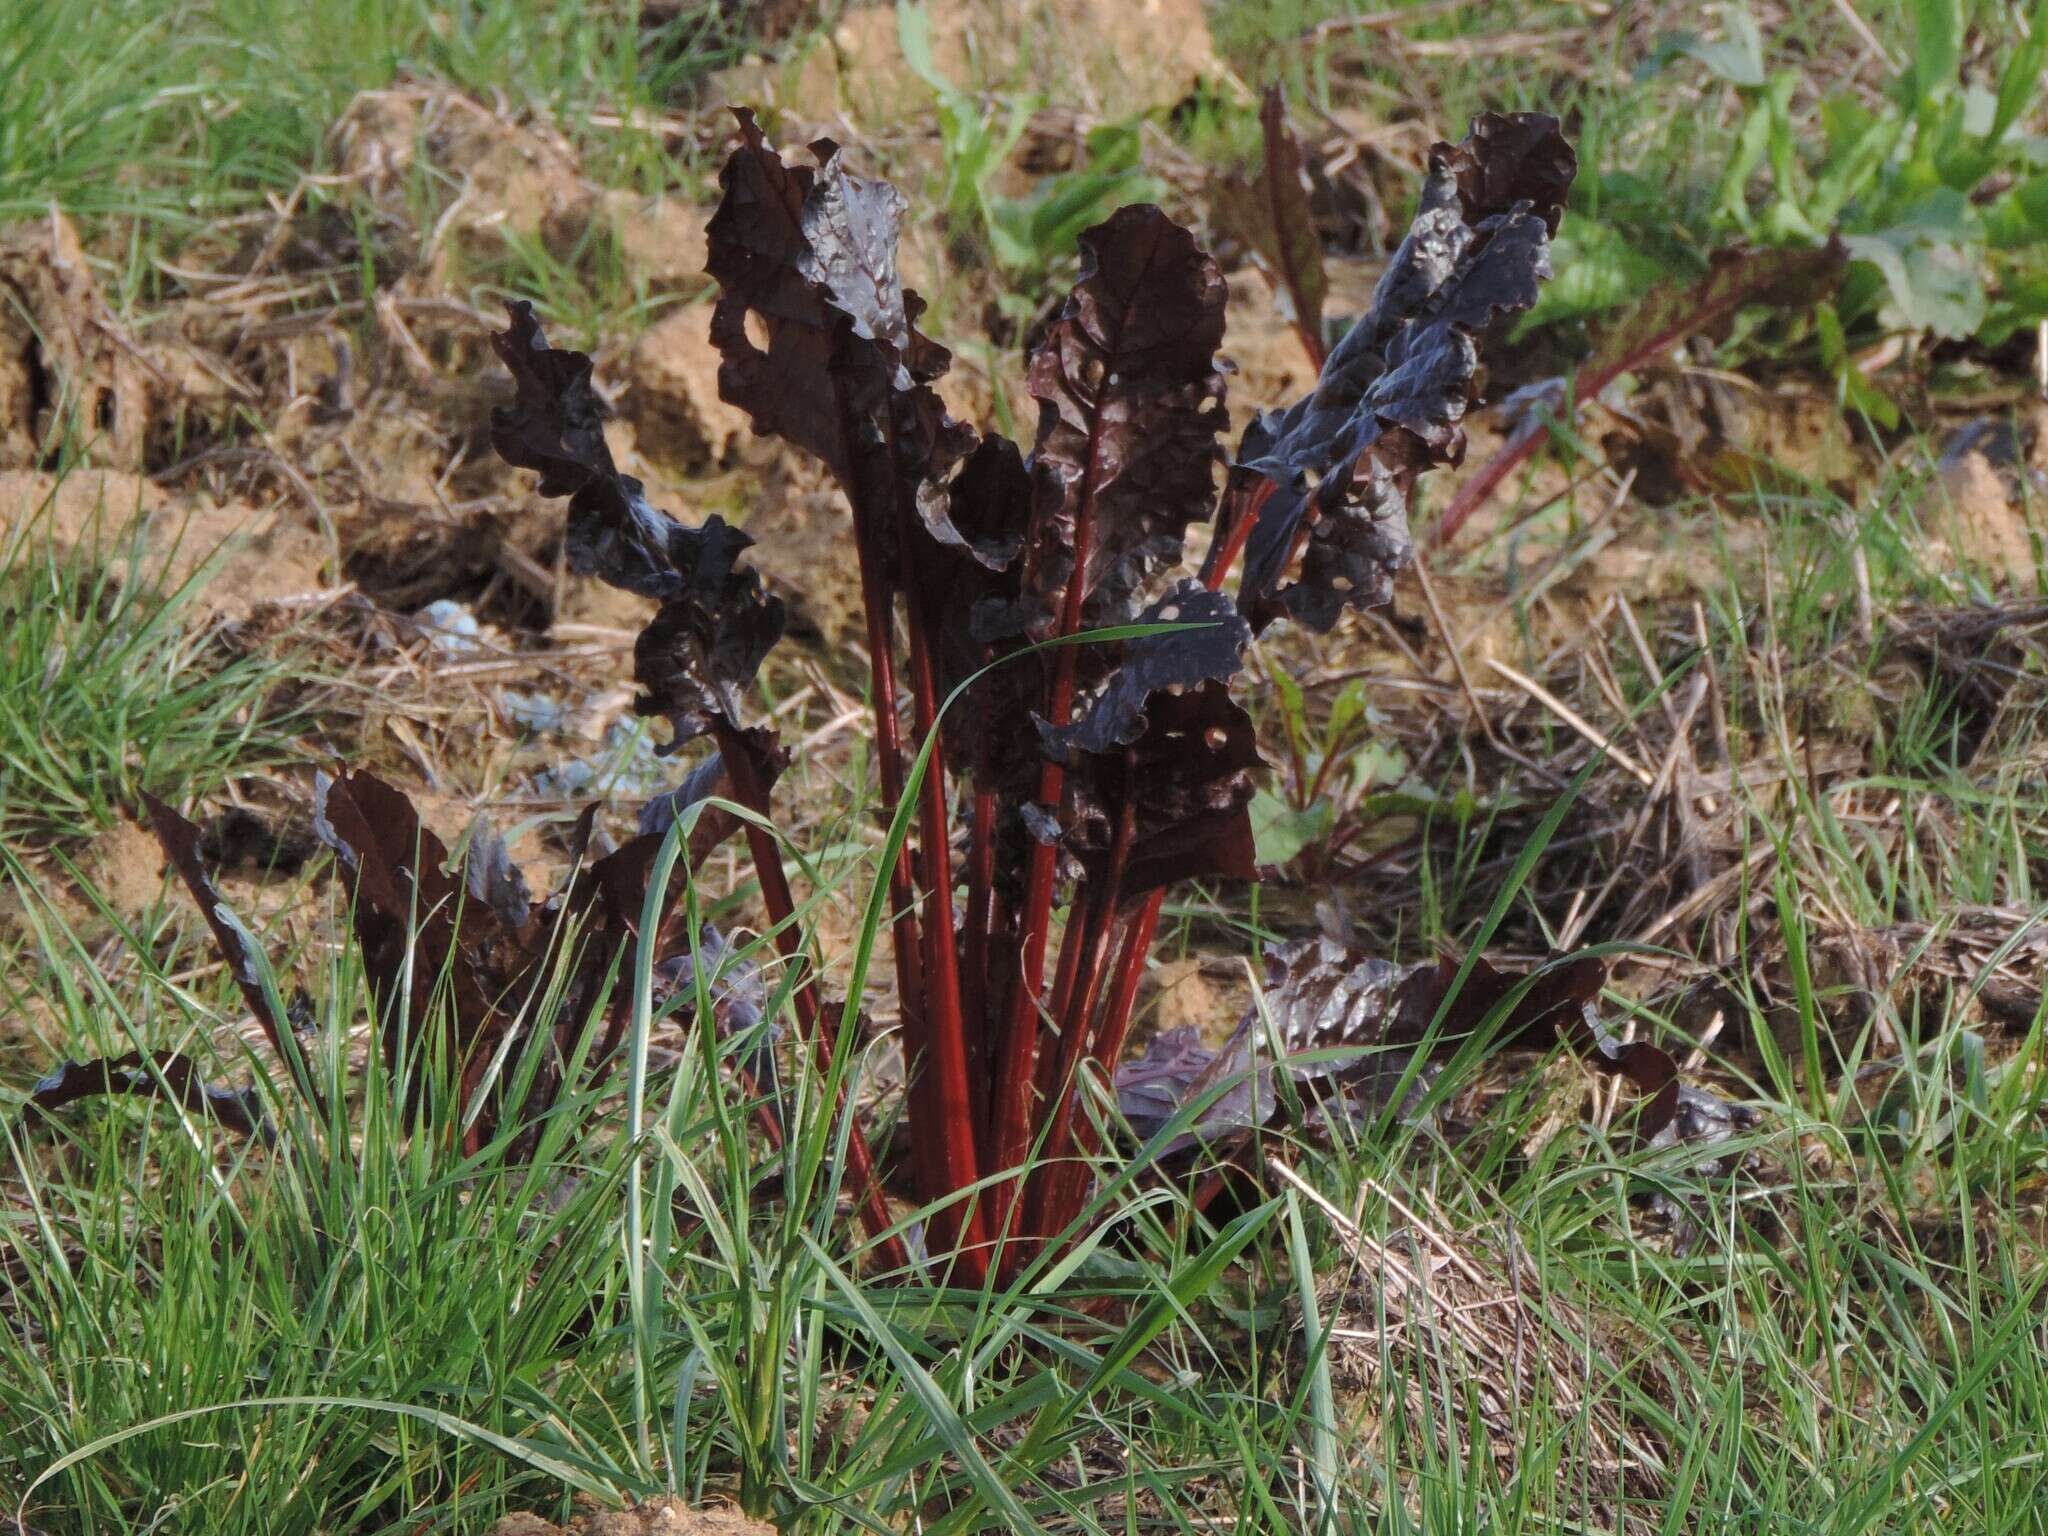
<point x="1092" y="756"/>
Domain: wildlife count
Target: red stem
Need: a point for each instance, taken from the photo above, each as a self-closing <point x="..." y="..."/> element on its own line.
<point x="1019" y="1034"/>
<point x="1237" y="529"/>
<point x="907" y="948"/>
<point x="781" y="905"/>
<point x="952" y="1156"/>
<point x="1075" y="1018"/>
<point x="981" y="902"/>
<point x="1072" y="943"/>
<point x="1064" y="1199"/>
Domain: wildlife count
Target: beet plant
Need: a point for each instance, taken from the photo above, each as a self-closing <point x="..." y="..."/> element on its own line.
<point x="1052" y="634"/>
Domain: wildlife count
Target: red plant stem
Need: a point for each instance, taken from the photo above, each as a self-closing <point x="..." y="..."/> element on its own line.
<point x="1130" y="970"/>
<point x="1018" y="1243"/>
<point x="1237" y="530"/>
<point x="1019" y="1036"/>
<point x="781" y="905"/>
<point x="1072" y="942"/>
<point x="1065" y="1197"/>
<point x="974" y="979"/>
<point x="947" y="1144"/>
<point x="878" y="603"/>
<point x="764" y="1111"/>
<point x="907" y="950"/>
<point x="1075" y="1018"/>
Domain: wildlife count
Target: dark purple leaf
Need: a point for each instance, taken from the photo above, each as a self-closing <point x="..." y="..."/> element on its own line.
<point x="1392" y="397"/>
<point x="817" y="335"/>
<point x="1155" y="664"/>
<point x="1183" y="786"/>
<point x="692" y="661"/>
<point x="180" y="841"/>
<point x="716" y="624"/>
<point x="1130" y="405"/>
<point x="239" y="1109"/>
<point x="1558" y="1007"/>
<point x="1362" y="1019"/>
<point x="556" y="426"/>
<point x="1509" y="159"/>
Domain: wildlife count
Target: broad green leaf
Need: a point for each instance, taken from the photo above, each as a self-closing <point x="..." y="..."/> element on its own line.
<point x="1930" y="266"/>
<point x="1281" y="831"/>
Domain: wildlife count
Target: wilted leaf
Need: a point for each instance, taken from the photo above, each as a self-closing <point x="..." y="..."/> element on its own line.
<point x="180" y="841"/>
<point x="1669" y="313"/>
<point x="1363" y="1019"/>
<point x="1392" y="397"/>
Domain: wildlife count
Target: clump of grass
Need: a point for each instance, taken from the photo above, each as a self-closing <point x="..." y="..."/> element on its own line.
<point x="108" y="688"/>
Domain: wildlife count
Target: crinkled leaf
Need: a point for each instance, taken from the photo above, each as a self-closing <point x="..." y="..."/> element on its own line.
<point x="1184" y="784"/>
<point x="1392" y="397"/>
<point x="817" y="336"/>
<point x="555" y="425"/>
<point x="1130" y="404"/>
<point x="1272" y="214"/>
<point x="985" y="511"/>
<point x="700" y="650"/>
<point x="716" y="624"/>
<point x="1363" y="1018"/>
<point x="1170" y="661"/>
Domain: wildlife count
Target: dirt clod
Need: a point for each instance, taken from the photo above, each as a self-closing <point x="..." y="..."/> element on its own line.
<point x="1977" y="504"/>
<point x="259" y="554"/>
<point x="70" y="369"/>
<point x="679" y="422"/>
